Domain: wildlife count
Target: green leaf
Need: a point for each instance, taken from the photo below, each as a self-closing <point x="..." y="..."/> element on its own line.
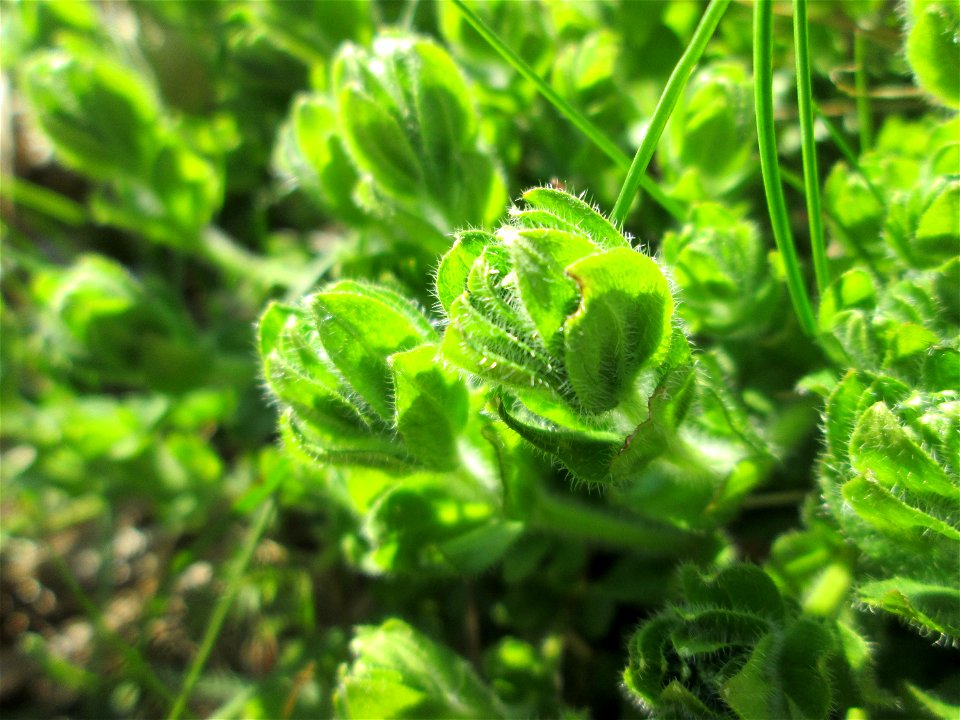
<point x="398" y="672"/>
<point x="477" y="549"/>
<point x="742" y="587"/>
<point x="929" y="605"/>
<point x="540" y="258"/>
<point x="938" y="232"/>
<point x="703" y="135"/>
<point x="666" y="408"/>
<point x="880" y="447"/>
<point x="310" y="151"/>
<point x="360" y="326"/>
<point x="482" y="347"/>
<point x="704" y="631"/>
<point x="648" y="662"/>
<point x="101" y="116"/>
<point x="721" y="268"/>
<point x="803" y="665"/>
<point x="946" y="280"/>
<point x="410" y="126"/>
<point x="379" y="144"/>
<point x="753" y="691"/>
<point x="454" y="268"/>
<point x="571" y="209"/>
<point x="299" y="373"/>
<point x="887" y="514"/>
<point x="932" y="48"/>
<point x="623" y="320"/>
<point x="325" y="438"/>
<point x="855" y="341"/>
<point x="431" y="406"/>
<point x="941" y="708"/>
<point x="855" y="289"/>
<point x="732" y="643"/>
<point x="491" y="290"/>
<point x="447" y="124"/>
<point x="941" y="369"/>
<point x="586" y="452"/>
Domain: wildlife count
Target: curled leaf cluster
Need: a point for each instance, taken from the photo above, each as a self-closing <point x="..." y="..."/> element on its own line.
<point x="395" y="140"/>
<point x="890" y="474"/>
<point x="718" y="262"/>
<point x="891" y="480"/>
<point x="736" y="648"/>
<point x="575" y="326"/>
<point x="353" y="366"/>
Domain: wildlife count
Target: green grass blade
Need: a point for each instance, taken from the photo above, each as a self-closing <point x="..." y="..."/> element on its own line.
<point x="574" y="116"/>
<point x="220" y="610"/>
<point x="770" y="164"/>
<point x="811" y="179"/>
<point x="668" y="101"/>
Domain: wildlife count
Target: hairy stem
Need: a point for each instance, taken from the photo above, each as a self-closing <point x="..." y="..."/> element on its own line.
<point x="811" y="179"/>
<point x="668" y="101"/>
<point x="770" y="163"/>
<point x="572" y="519"/>
<point x="574" y="116"/>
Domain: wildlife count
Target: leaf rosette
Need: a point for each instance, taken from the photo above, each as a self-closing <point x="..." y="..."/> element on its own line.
<point x="734" y="647"/>
<point x="721" y="268"/>
<point x="398" y="672"/>
<point x="154" y="174"/>
<point x="353" y="366"/>
<point x="396" y="139"/>
<point x="890" y="473"/>
<point x="577" y="330"/>
<point x="890" y="479"/>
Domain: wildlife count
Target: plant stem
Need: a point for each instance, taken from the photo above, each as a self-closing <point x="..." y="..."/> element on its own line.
<point x="41" y="199"/>
<point x="668" y="101"/>
<point x="865" y="121"/>
<point x="220" y="610"/>
<point x="409" y="14"/>
<point x="785" y="498"/>
<point x="770" y="164"/>
<point x="572" y="519"/>
<point x="811" y="179"/>
<point x="574" y="116"/>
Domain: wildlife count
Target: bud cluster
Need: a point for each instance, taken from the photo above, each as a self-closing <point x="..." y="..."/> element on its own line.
<point x="577" y="329"/>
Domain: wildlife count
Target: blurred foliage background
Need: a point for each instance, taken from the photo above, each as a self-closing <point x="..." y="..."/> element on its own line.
<point x="170" y="167"/>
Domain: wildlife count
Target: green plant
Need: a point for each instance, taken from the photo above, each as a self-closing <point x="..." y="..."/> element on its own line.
<point x="595" y="452"/>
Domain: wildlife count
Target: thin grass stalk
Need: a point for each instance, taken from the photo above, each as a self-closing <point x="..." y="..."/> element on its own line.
<point x="220" y="610"/>
<point x="573" y="116"/>
<point x="668" y="101"/>
<point x="770" y="163"/>
<point x="811" y="178"/>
